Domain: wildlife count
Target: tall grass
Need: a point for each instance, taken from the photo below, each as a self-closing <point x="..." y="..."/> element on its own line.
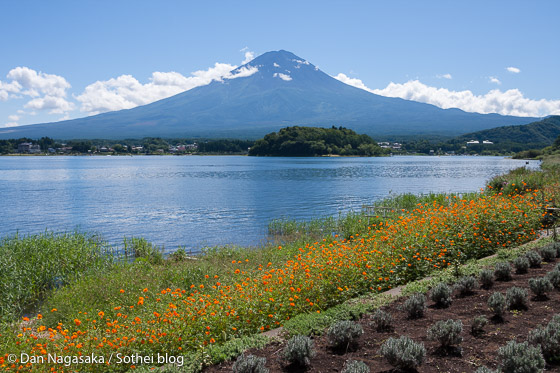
<point x="31" y="266"/>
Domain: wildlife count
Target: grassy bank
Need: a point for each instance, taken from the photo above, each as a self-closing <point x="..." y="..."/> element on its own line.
<point x="205" y="306"/>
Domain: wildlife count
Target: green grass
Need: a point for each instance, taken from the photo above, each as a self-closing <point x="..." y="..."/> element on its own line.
<point x="33" y="266"/>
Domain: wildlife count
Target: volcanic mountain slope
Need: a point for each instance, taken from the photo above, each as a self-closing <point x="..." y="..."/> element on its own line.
<point x="275" y="90"/>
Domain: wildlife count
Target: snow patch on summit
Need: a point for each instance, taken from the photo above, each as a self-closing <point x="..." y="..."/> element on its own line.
<point x="285" y="77"/>
<point x="300" y="62"/>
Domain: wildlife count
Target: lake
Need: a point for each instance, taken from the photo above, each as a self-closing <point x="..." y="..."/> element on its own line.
<point x="197" y="201"/>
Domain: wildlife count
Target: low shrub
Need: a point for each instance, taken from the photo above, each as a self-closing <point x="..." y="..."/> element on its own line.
<point x="554" y="278"/>
<point x="497" y="304"/>
<point x="521" y="265"/>
<point x="415" y="306"/>
<point x="534" y="258"/>
<point x="298" y="350"/>
<point x="548" y="339"/>
<point x="486" y="278"/>
<point x="344" y="333"/>
<point x="548" y="254"/>
<point x="502" y="271"/>
<point x="403" y="353"/>
<point x="466" y="285"/>
<point x="516" y="298"/>
<point x="383" y="321"/>
<point x="441" y="295"/>
<point x="556" y="246"/>
<point x="520" y="358"/>
<point x="485" y="370"/>
<point x="447" y="333"/>
<point x="478" y="324"/>
<point x="540" y="286"/>
<point x="249" y="364"/>
<point x="354" y="366"/>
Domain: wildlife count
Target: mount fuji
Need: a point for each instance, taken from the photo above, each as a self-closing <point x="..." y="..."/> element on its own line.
<point x="274" y="90"/>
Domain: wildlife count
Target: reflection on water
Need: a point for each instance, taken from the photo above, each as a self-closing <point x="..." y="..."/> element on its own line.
<point x="197" y="201"/>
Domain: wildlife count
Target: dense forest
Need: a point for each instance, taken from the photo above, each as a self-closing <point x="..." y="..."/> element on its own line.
<point x="315" y="141"/>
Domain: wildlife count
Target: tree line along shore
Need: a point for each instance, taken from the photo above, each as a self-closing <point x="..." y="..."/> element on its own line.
<point x="291" y="141"/>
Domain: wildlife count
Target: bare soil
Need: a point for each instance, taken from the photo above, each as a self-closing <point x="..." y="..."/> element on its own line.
<point x="476" y="350"/>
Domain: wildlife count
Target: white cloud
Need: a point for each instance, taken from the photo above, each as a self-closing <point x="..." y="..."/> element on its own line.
<point x="275" y="64"/>
<point x="285" y="77"/>
<point x="55" y="105"/>
<point x="10" y="124"/>
<point x="8" y="90"/>
<point x="510" y="102"/>
<point x="494" y="80"/>
<point x="353" y="82"/>
<point x="513" y="70"/>
<point x="48" y="91"/>
<point x="444" y="76"/>
<point x="38" y="83"/>
<point x="249" y="56"/>
<point x="14" y="118"/>
<point x="126" y="92"/>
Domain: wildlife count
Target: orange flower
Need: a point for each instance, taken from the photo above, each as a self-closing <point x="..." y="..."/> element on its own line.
<point x="77" y="322"/>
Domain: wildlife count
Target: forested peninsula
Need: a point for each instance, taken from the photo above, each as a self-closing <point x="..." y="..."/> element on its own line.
<point x="315" y="141"/>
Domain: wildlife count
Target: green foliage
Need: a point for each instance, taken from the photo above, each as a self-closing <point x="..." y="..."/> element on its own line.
<point x="382" y="320"/>
<point x="403" y="353"/>
<point x="466" y="285"/>
<point x="520" y="137"/>
<point x="517" y="181"/>
<point x="540" y="286"/>
<point x="548" y="253"/>
<point x="140" y="248"/>
<point x="478" y="324"/>
<point x="298" y="350"/>
<point x="441" y="295"/>
<point x="497" y="304"/>
<point x="486" y="278"/>
<point x="178" y="255"/>
<point x="502" y="271"/>
<point x="516" y="298"/>
<point x="354" y="366"/>
<point x="36" y="265"/>
<point x="554" y="278"/>
<point x="315" y="323"/>
<point x="447" y="333"/>
<point x="547" y="339"/>
<point x="235" y="346"/>
<point x="249" y="364"/>
<point x="520" y="358"/>
<point x="521" y="265"/>
<point x="314" y="141"/>
<point x="415" y="306"/>
<point x="534" y="258"/>
<point x="485" y="370"/>
<point x="344" y="333"/>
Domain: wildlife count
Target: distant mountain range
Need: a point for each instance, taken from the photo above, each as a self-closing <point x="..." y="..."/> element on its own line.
<point x="275" y="90"/>
<point x="533" y="135"/>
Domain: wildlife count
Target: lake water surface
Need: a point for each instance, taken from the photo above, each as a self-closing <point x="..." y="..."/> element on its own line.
<point x="196" y="201"/>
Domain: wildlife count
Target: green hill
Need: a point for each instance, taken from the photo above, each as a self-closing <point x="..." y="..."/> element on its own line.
<point x="533" y="135"/>
<point x="315" y="141"/>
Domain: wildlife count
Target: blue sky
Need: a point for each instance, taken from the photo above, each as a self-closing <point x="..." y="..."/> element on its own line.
<point x="68" y="59"/>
